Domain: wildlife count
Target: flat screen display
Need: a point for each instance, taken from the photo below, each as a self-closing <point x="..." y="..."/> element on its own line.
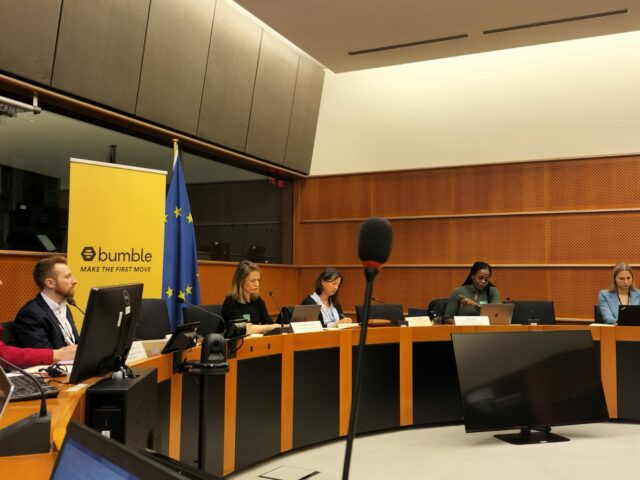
<point x="525" y="380"/>
<point x="107" y="331"/>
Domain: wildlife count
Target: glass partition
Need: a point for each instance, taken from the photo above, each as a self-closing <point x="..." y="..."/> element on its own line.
<point x="237" y="213"/>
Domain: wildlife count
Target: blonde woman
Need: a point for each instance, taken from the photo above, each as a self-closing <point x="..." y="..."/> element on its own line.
<point x="622" y="291"/>
<point x="243" y="301"/>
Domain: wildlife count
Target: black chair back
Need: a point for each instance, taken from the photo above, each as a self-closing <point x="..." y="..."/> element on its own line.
<point x="525" y="311"/>
<point x="597" y="314"/>
<point x="7" y="334"/>
<point x="208" y="323"/>
<point x="154" y="319"/>
<point x="437" y="307"/>
<point x="284" y="317"/>
<point x="385" y="311"/>
<point x="417" y="312"/>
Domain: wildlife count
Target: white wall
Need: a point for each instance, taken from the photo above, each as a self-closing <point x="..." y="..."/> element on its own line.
<point x="570" y="99"/>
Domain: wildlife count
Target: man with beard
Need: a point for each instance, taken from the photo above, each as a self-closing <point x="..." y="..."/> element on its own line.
<point x="46" y="321"/>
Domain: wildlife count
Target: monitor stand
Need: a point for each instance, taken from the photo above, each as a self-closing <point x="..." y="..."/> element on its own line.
<point x="527" y="437"/>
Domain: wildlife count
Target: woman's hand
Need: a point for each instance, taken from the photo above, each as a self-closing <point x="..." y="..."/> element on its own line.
<point x="344" y="320"/>
<point x="467" y="301"/>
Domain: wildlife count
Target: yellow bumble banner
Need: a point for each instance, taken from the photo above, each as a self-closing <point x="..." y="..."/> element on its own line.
<point x="116" y="227"/>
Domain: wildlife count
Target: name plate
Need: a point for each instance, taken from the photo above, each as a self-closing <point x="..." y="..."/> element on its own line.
<point x="137" y="352"/>
<point x="470" y="321"/>
<point x="306" y="327"/>
<point x="419" y="321"/>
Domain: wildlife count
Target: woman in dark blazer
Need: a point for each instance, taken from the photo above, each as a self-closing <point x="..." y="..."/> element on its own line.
<point x="326" y="295"/>
<point x="622" y="291"/>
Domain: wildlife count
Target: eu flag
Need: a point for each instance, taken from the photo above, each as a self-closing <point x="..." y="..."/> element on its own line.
<point x="180" y="270"/>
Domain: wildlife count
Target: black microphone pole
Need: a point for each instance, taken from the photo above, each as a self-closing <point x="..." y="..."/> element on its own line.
<point x="31" y="434"/>
<point x="280" y="313"/>
<point x="374" y="247"/>
<point x="72" y="301"/>
<point x="198" y="307"/>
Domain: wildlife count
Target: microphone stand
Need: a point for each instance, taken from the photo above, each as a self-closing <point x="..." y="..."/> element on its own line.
<point x="31" y="434"/>
<point x="370" y="275"/>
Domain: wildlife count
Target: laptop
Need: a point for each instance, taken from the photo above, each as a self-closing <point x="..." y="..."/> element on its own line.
<point x="498" y="313"/>
<point x="86" y="453"/>
<point x="629" y="315"/>
<point x="6" y="389"/>
<point x="306" y="313"/>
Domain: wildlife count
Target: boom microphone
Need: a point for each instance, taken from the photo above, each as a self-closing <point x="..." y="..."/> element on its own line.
<point x="72" y="301"/>
<point x="31" y="434"/>
<point x="198" y="307"/>
<point x="374" y="247"/>
<point x="374" y="244"/>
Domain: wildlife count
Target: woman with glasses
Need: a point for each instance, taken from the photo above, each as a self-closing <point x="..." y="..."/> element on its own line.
<point x="475" y="291"/>
<point x="326" y="295"/>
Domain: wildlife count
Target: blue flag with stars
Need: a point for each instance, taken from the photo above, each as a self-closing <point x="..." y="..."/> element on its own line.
<point x="180" y="269"/>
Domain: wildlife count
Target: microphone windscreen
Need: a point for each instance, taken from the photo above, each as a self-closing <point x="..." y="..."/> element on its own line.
<point x="71" y="301"/>
<point x="374" y="244"/>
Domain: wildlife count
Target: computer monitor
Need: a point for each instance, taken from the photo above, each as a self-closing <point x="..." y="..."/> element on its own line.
<point x="107" y="332"/>
<point x="629" y="315"/>
<point x="528" y="381"/>
<point x="86" y="453"/>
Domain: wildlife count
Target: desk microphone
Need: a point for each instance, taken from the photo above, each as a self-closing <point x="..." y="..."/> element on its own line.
<point x="280" y="312"/>
<point x="31" y="434"/>
<point x="72" y="301"/>
<point x="198" y="307"/>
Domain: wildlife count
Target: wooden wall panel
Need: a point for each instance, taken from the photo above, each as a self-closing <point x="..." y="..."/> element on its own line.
<point x="18" y="285"/>
<point x="99" y="54"/>
<point x="283" y="280"/>
<point x="595" y="183"/>
<point x="595" y="238"/>
<point x="574" y="291"/>
<point x="518" y="217"/>
<point x="429" y="241"/>
<point x="335" y="197"/>
<point x="329" y="244"/>
<point x="405" y="193"/>
<point x="28" y="37"/>
<point x="499" y="240"/>
<point x="500" y="188"/>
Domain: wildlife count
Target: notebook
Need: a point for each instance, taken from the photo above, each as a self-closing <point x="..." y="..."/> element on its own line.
<point x="498" y="313"/>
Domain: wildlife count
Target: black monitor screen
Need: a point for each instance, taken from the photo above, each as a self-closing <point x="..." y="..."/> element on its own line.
<point x="86" y="454"/>
<point x="521" y="380"/>
<point x="107" y="331"/>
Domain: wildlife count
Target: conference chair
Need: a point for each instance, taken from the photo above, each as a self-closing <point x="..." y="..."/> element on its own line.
<point x="284" y="317"/>
<point x="7" y="333"/>
<point x="540" y="311"/>
<point x="597" y="314"/>
<point x="385" y="311"/>
<point x="154" y="319"/>
<point x="210" y="319"/>
<point x="437" y="307"/>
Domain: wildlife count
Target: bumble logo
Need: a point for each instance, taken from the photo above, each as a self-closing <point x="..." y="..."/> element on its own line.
<point x="112" y="261"/>
<point x="88" y="254"/>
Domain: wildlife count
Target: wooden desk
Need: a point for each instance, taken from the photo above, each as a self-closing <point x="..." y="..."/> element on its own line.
<point x="289" y="391"/>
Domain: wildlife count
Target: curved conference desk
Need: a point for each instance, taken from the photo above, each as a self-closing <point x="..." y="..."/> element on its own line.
<point x="289" y="391"/>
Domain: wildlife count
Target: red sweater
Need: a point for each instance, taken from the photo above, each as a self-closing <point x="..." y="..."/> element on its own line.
<point x="25" y="357"/>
